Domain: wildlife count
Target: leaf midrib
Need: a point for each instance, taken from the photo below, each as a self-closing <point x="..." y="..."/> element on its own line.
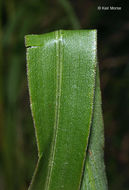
<point x="58" y="36"/>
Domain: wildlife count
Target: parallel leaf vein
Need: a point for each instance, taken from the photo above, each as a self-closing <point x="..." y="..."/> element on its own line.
<point x="57" y="105"/>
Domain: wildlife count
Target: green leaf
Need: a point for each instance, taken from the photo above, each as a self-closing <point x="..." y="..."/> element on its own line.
<point x="94" y="172"/>
<point x="61" y="76"/>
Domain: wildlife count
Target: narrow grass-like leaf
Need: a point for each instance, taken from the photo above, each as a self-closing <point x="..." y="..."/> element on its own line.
<point x="94" y="172"/>
<point x="61" y="76"/>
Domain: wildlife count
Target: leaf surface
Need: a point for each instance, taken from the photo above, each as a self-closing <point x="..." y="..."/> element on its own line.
<point x="94" y="172"/>
<point x="61" y="76"/>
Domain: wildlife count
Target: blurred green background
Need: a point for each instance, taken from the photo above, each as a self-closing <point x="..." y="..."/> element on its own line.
<point x="18" y="151"/>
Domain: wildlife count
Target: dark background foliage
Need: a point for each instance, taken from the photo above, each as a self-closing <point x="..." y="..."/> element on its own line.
<point x="18" y="151"/>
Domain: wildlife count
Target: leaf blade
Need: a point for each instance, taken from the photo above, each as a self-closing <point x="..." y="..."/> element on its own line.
<point x="62" y="64"/>
<point x="94" y="173"/>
